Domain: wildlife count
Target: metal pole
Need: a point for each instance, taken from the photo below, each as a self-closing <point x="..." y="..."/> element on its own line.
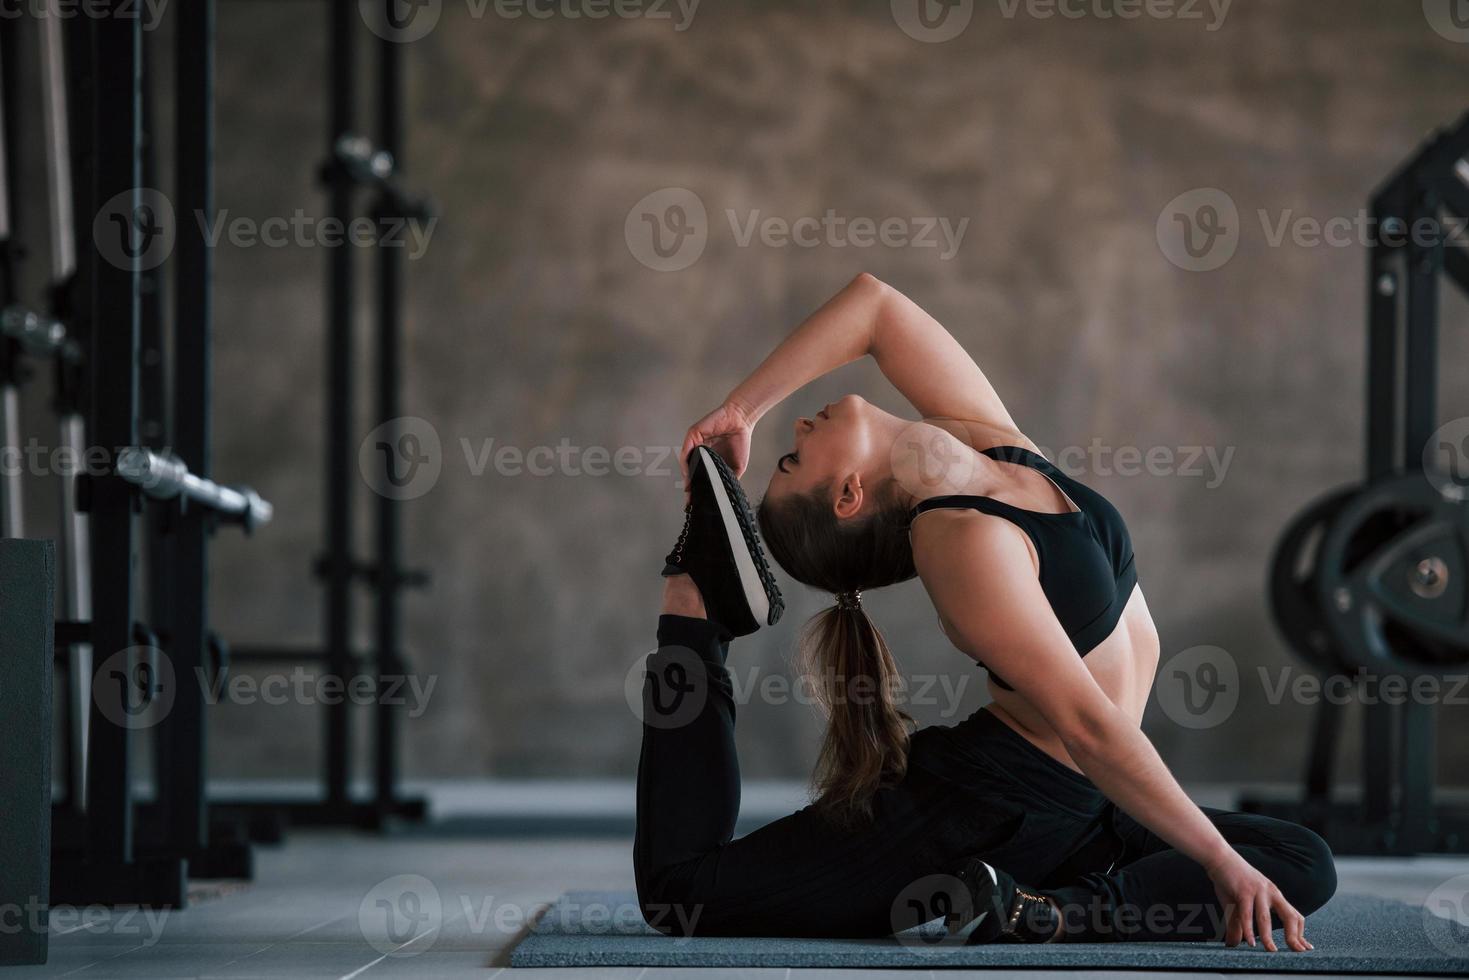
<point x="70" y="299"/>
<point x="58" y="175"/>
<point x="12" y="509"/>
<point x="1418" y="768"/>
<point x="1420" y="351"/>
<point x="193" y="406"/>
<point x="342" y="21"/>
<point x="115" y="401"/>
<point x="12" y="512"/>
<point x="153" y="429"/>
<point x="389" y="384"/>
<point x="1384" y="283"/>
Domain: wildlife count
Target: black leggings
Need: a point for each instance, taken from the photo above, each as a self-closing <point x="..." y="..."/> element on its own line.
<point x="977" y="789"/>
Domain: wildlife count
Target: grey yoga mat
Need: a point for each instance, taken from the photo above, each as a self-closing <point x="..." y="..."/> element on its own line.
<point x="1352" y="934"/>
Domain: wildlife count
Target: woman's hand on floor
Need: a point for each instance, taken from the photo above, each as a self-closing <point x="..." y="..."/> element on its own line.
<point x="726" y="430"/>
<point x="1248" y="898"/>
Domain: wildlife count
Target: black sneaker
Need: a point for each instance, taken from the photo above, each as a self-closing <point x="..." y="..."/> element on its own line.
<point x="999" y="910"/>
<point x="719" y="549"/>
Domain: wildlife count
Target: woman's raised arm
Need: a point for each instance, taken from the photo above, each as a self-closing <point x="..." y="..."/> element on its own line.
<point x="912" y="349"/>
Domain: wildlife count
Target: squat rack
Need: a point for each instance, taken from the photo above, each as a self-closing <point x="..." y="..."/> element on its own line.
<point x="355" y="162"/>
<point x="1406" y="257"/>
<point x="104" y="335"/>
<point x="109" y="849"/>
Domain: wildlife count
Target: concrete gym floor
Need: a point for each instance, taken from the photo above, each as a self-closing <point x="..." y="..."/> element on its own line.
<point x="299" y="918"/>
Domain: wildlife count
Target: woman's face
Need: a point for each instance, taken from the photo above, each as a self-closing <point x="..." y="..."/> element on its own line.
<point x="833" y="447"/>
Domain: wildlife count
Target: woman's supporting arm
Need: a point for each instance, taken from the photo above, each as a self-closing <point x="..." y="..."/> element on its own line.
<point x="980" y="574"/>
<point x="983" y="581"/>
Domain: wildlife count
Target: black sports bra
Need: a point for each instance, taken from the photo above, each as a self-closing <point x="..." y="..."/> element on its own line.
<point x="1086" y="561"/>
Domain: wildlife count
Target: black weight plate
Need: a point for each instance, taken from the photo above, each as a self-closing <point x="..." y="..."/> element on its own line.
<point x="1391" y="579"/>
<point x="1293" y="570"/>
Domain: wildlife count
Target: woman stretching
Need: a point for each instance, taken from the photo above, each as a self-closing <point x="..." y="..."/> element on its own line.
<point x="1045" y="816"/>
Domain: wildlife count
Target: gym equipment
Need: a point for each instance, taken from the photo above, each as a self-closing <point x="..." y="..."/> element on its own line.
<point x="1293" y="572"/>
<point x="41" y="336"/>
<point x="27" y="584"/>
<point x="71" y="294"/>
<point x="168" y="478"/>
<point x="108" y="846"/>
<point x="10" y="370"/>
<point x="1392" y="579"/>
<point x="120" y="383"/>
<point x="354" y="162"/>
<point x="28" y="334"/>
<point x="1371" y="582"/>
<point x="108" y="869"/>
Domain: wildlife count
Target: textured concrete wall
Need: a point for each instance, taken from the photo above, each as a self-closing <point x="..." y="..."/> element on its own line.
<point x="531" y="320"/>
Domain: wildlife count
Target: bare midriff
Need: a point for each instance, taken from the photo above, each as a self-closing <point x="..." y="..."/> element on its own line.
<point x="1123" y="666"/>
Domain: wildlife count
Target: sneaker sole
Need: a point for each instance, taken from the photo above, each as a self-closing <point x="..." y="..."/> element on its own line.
<point x="761" y="593"/>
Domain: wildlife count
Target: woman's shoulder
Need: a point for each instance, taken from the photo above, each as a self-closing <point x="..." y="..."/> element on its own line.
<point x="946" y="539"/>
